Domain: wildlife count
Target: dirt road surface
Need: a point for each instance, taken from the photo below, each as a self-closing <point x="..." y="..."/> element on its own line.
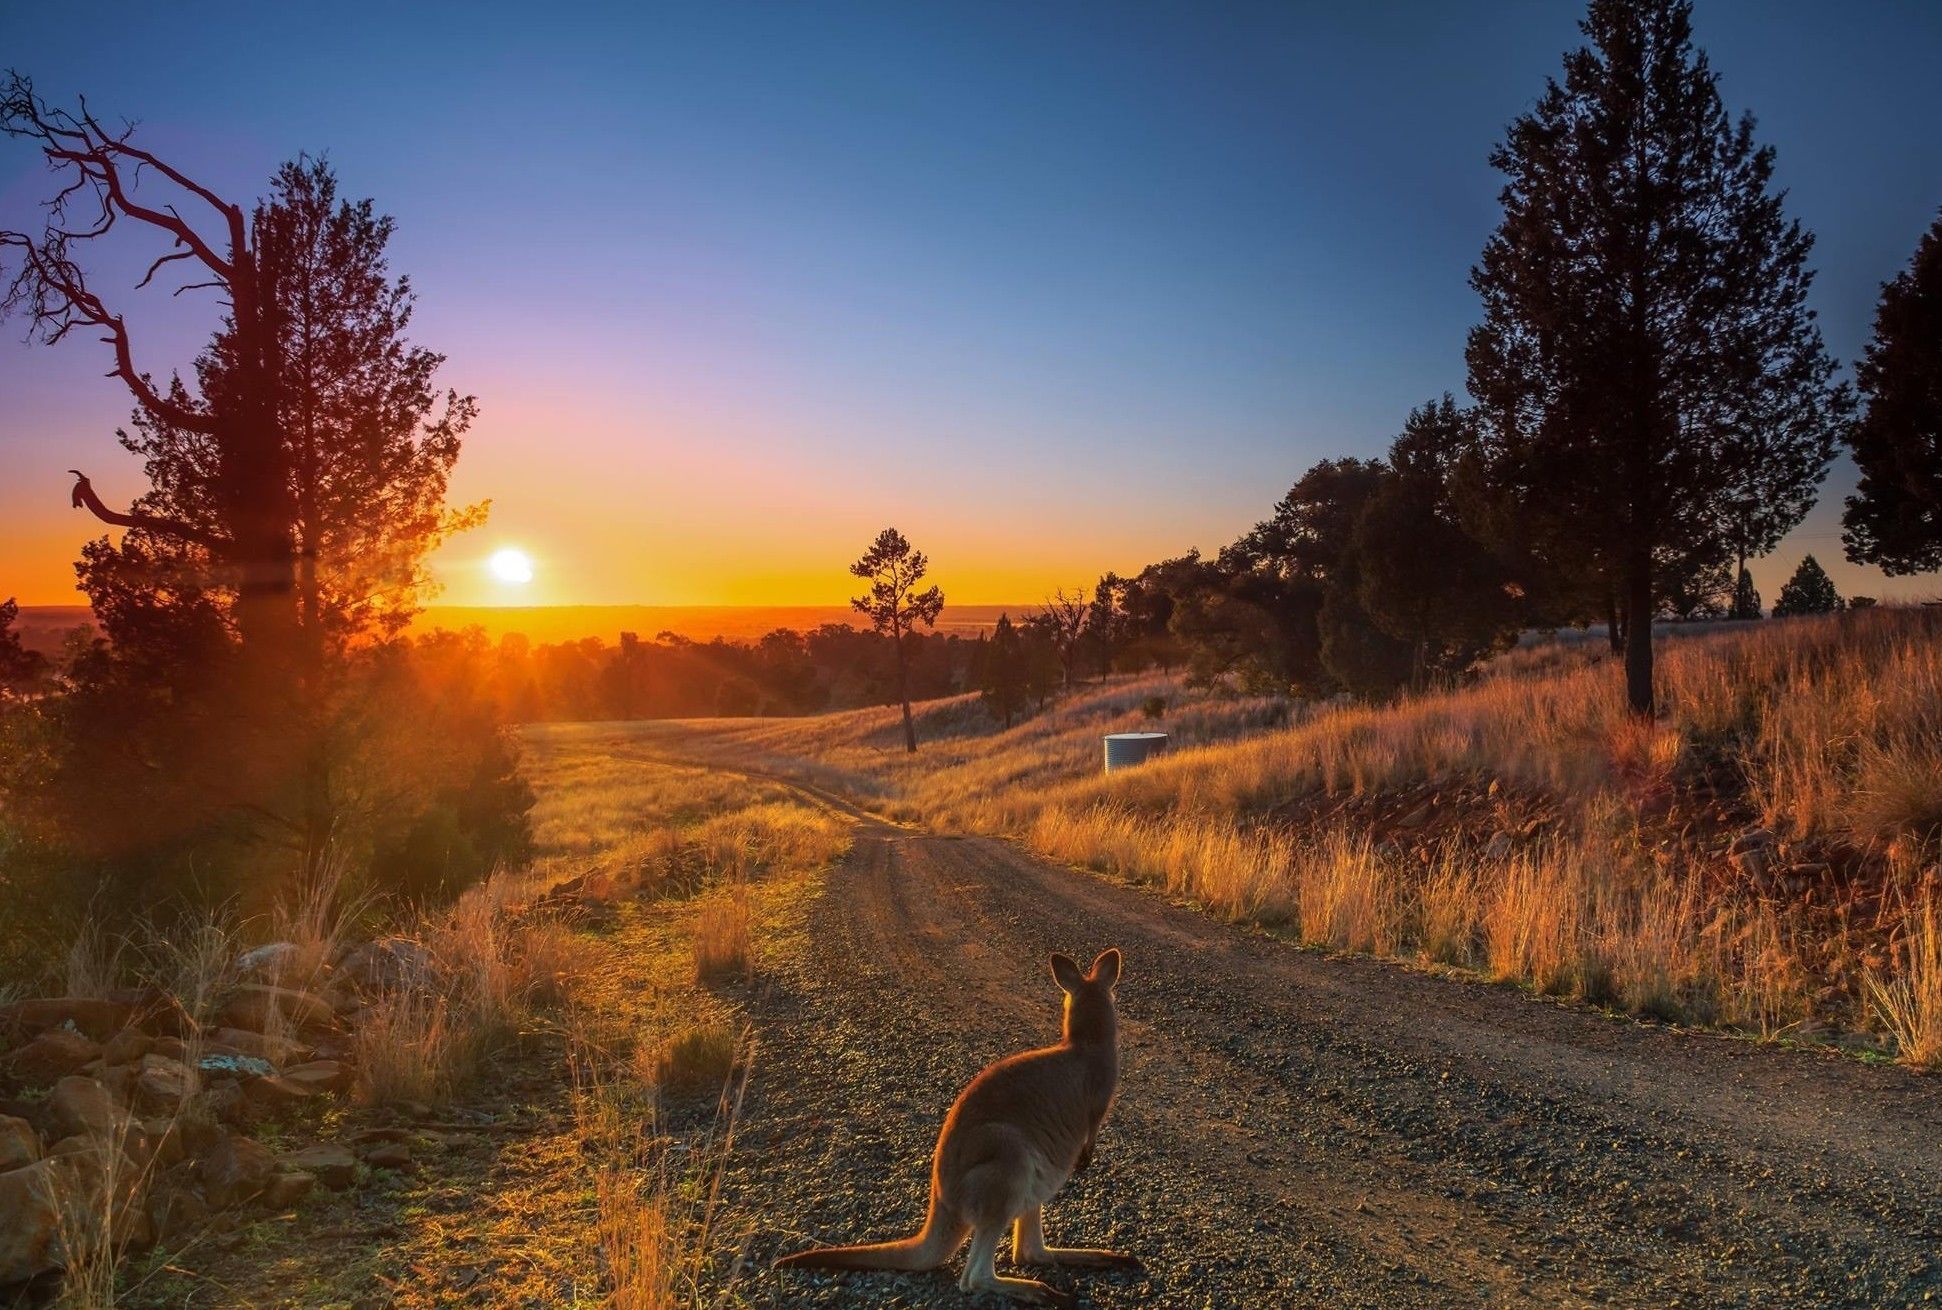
<point x="1299" y="1130"/>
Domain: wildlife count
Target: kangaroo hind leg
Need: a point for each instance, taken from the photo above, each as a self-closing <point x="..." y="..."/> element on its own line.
<point x="981" y="1273"/>
<point x="1028" y="1247"/>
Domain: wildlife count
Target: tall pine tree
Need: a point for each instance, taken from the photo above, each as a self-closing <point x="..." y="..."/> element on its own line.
<point x="1809" y="591"/>
<point x="1647" y="366"/>
<point x="1894" y="517"/>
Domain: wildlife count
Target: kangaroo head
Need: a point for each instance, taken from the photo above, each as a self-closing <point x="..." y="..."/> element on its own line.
<point x="1089" y="1011"/>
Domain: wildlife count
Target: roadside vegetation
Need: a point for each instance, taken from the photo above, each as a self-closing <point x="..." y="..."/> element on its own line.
<point x="1762" y="856"/>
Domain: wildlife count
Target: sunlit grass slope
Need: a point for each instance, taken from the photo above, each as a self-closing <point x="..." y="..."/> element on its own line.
<point x="1764" y="855"/>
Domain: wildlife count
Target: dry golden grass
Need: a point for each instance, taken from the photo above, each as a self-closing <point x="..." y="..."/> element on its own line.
<point x="658" y="1209"/>
<point x="1828" y="732"/>
<point x="1910" y="1001"/>
<point x="724" y="939"/>
<point x="493" y="967"/>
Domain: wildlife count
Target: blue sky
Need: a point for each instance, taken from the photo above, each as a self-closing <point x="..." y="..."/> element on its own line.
<point x="1056" y="288"/>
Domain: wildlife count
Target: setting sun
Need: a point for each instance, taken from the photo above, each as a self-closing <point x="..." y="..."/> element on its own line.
<point x="509" y="565"/>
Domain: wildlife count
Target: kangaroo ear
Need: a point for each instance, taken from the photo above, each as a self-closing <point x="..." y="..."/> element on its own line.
<point x="1105" y="969"/>
<point x="1065" y="972"/>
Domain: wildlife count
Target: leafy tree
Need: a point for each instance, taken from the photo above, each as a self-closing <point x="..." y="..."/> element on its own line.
<point x="19" y="667"/>
<point x="296" y="484"/>
<point x="1148" y="602"/>
<point x="895" y="606"/>
<point x="1044" y="671"/>
<point x="1108" y="633"/>
<point x="1647" y="365"/>
<point x="1005" y="676"/>
<point x="1746" y="599"/>
<point x="1420" y="578"/>
<point x="1256" y="615"/>
<point x="1894" y="517"/>
<point x="1809" y="591"/>
<point x="1693" y="584"/>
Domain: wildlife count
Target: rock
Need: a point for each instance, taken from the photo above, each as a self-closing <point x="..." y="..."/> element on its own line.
<point x="93" y="1017"/>
<point x="53" y="1054"/>
<point x="275" y="1092"/>
<point x="236" y="1170"/>
<point x="80" y="1144"/>
<point x="1752" y="862"/>
<point x="287" y="1188"/>
<point x="163" y="1084"/>
<point x="260" y="1006"/>
<point x="267" y="963"/>
<point x="389" y="1155"/>
<point x="19" y="1145"/>
<point x="385" y="963"/>
<point x="277" y="1050"/>
<point x="234" y="1064"/>
<point x="83" y="1106"/>
<point x="1417" y="817"/>
<point x="218" y="1103"/>
<point x="167" y="1142"/>
<point x="173" y="1047"/>
<point x="1499" y="847"/>
<point x="332" y="1165"/>
<point x="126" y="1046"/>
<point x="177" y="1214"/>
<point x="118" y="1079"/>
<point x="319" y="1076"/>
<point x="30" y="1220"/>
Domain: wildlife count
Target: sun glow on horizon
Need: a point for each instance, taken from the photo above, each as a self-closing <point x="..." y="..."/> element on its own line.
<point x="511" y="566"/>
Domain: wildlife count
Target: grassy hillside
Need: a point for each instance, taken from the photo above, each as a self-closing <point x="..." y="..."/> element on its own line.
<point x="1763" y="856"/>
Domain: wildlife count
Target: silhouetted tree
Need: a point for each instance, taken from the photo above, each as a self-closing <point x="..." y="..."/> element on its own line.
<point x="1746" y="599"/>
<point x="1647" y="365"/>
<point x="294" y="487"/>
<point x="1044" y="671"/>
<point x="1063" y="620"/>
<point x="1004" y="680"/>
<point x="19" y="667"/>
<point x="1253" y="615"/>
<point x="1107" y="634"/>
<point x="1692" y="584"/>
<point x="1894" y="518"/>
<point x="1809" y="591"/>
<point x="895" y="606"/>
<point x="1420" y="578"/>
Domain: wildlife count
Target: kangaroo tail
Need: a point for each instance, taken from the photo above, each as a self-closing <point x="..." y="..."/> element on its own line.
<point x="937" y="1242"/>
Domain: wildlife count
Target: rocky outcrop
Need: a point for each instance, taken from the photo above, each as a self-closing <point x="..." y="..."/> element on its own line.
<point x="53" y="1054"/>
<point x="261" y="1007"/>
<point x="30" y="1220"/>
<point x="237" y="1169"/>
<point x="19" y="1145"/>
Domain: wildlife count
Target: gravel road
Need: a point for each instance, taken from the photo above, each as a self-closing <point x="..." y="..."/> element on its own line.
<point x="1295" y="1130"/>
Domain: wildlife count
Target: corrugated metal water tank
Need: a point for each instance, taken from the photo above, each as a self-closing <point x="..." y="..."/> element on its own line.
<point x="1125" y="749"/>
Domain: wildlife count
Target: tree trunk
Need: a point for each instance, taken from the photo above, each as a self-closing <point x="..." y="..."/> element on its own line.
<point x="1638" y="635"/>
<point x="903" y="694"/>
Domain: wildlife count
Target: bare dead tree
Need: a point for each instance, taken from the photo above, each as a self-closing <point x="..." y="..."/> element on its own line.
<point x="101" y="174"/>
<point x="1064" y="620"/>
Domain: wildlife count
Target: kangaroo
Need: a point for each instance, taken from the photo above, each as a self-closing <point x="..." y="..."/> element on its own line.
<point x="1012" y="1138"/>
